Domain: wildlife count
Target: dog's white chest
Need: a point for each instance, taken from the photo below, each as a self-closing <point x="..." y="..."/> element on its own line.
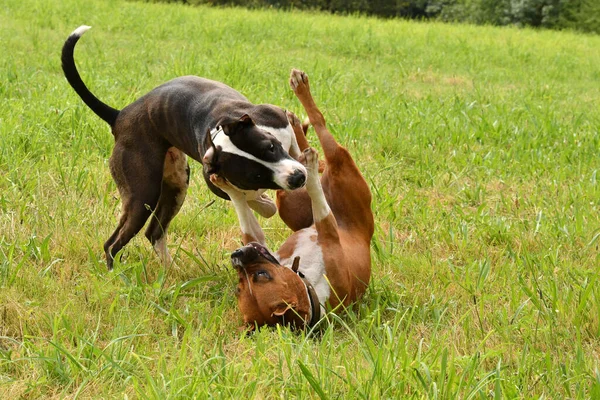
<point x="312" y="264"/>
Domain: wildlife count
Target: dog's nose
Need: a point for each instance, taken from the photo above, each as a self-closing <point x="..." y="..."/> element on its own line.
<point x="236" y="258"/>
<point x="297" y="179"/>
<point x="238" y="253"/>
<point x="241" y="256"/>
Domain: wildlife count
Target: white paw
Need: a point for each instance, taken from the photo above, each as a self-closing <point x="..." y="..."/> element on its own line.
<point x="311" y="160"/>
<point x="220" y="182"/>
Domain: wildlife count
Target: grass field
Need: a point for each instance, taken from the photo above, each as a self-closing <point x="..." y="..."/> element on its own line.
<point x="481" y="146"/>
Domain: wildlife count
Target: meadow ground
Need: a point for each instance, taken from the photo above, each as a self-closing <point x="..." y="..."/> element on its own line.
<point x="481" y="147"/>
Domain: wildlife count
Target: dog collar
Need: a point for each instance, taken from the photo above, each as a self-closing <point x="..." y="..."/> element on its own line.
<point x="313" y="299"/>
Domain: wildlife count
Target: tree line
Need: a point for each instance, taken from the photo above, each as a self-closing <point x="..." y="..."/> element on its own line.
<point x="582" y="15"/>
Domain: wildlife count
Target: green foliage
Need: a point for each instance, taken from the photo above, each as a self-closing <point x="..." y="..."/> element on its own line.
<point x="583" y="15"/>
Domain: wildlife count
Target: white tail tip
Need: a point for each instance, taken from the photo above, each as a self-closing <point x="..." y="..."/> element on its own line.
<point x="81" y="30"/>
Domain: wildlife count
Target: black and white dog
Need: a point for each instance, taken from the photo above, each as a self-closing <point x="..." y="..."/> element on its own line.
<point x="249" y="145"/>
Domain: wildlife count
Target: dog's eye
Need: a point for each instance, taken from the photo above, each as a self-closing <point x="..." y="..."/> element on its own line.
<point x="269" y="150"/>
<point x="263" y="275"/>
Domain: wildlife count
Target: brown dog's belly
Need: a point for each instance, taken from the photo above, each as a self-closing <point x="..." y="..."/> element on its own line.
<point x="304" y="244"/>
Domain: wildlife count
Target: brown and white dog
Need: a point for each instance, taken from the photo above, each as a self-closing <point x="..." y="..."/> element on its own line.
<point x="247" y="144"/>
<point x="327" y="259"/>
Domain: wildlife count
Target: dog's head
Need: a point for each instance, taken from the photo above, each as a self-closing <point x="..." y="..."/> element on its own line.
<point x="267" y="292"/>
<point x="250" y="158"/>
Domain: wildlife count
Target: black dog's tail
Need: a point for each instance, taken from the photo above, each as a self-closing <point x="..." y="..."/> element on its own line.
<point x="102" y="110"/>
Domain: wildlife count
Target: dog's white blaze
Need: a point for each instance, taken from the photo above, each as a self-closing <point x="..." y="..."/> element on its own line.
<point x="81" y="30"/>
<point x="281" y="169"/>
<point x="286" y="136"/>
<point x="312" y="264"/>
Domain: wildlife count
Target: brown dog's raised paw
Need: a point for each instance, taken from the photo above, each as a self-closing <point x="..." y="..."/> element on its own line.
<point x="311" y="160"/>
<point x="299" y="82"/>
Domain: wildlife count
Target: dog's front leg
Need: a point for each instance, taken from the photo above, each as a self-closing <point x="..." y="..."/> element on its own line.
<point x="320" y="207"/>
<point x="251" y="230"/>
<point x="327" y="231"/>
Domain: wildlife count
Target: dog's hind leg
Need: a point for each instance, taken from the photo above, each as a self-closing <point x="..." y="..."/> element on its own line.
<point x="138" y="176"/>
<point x="175" y="182"/>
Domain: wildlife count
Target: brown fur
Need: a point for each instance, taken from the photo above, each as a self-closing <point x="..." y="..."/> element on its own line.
<point x="344" y="235"/>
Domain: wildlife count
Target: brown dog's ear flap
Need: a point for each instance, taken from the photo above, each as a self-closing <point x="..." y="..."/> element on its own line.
<point x="230" y="127"/>
<point x="296" y="264"/>
<point x="288" y="312"/>
<point x="282" y="308"/>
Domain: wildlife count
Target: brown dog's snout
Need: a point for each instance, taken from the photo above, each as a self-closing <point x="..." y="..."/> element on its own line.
<point x="250" y="253"/>
<point x="243" y="255"/>
<point x="237" y="253"/>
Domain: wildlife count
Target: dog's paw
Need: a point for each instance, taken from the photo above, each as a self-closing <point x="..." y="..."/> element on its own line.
<point x="234" y="193"/>
<point x="299" y="82"/>
<point x="293" y="119"/>
<point x="311" y="161"/>
<point x="220" y="182"/>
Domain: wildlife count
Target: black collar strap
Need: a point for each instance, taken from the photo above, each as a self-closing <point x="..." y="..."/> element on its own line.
<point x="313" y="299"/>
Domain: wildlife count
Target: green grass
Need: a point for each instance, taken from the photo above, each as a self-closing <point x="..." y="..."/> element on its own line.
<point x="481" y="146"/>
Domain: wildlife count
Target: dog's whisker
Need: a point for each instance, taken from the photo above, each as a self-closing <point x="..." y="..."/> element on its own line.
<point x="248" y="280"/>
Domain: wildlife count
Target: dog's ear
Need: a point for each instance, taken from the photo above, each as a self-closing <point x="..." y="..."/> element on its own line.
<point x="287" y="312"/>
<point x="210" y="160"/>
<point x="245" y="119"/>
<point x="280" y="309"/>
<point x="232" y="126"/>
